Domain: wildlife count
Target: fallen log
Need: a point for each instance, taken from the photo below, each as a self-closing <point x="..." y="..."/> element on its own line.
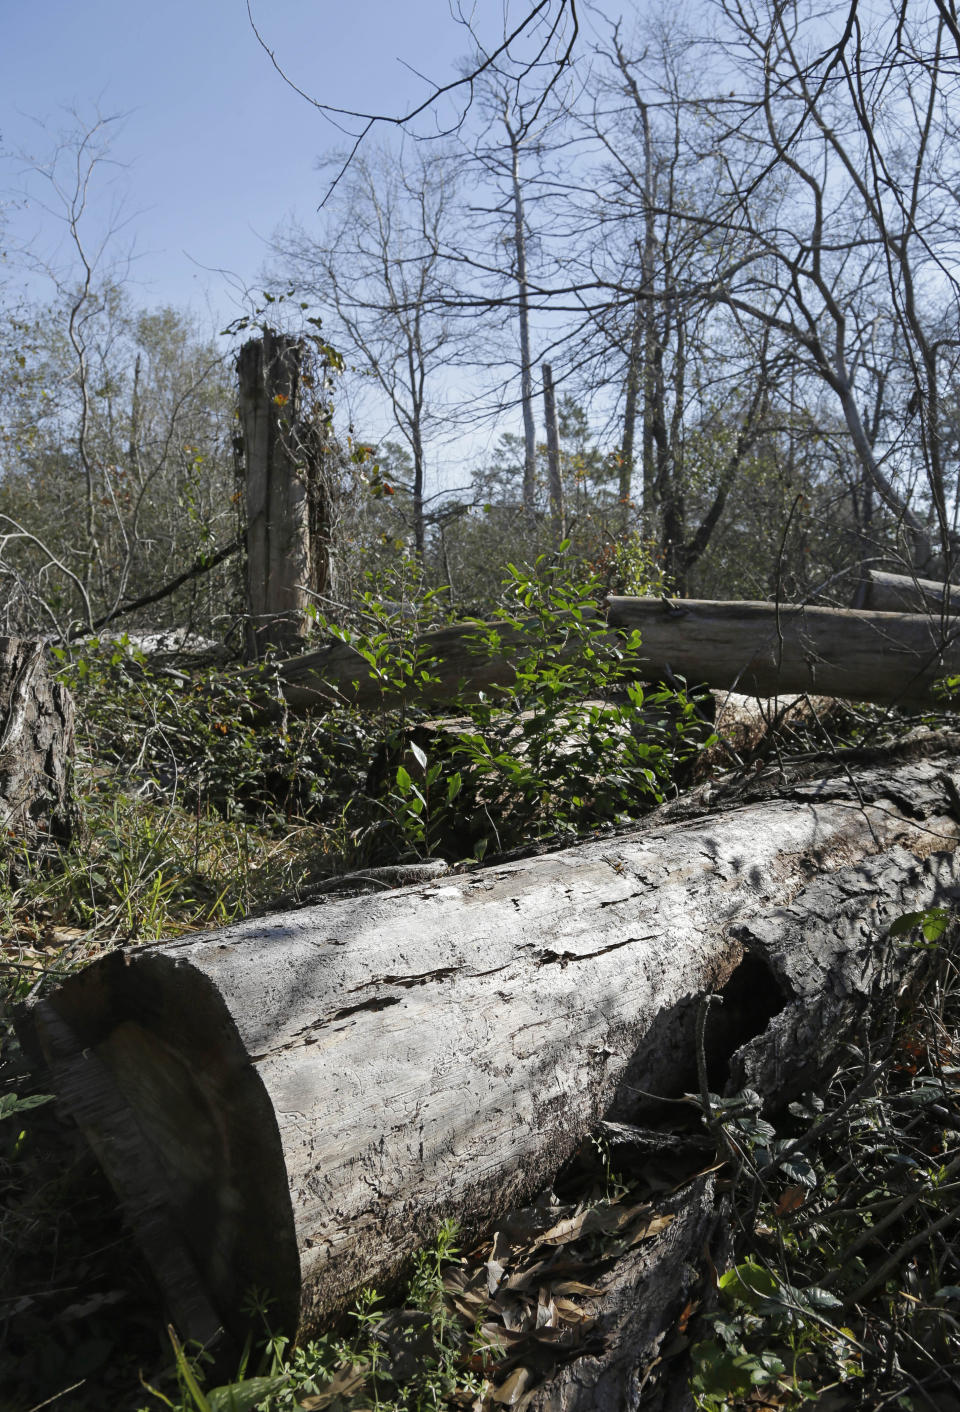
<point x="766" y="649"/>
<point x="339" y="673"/>
<point x="295" y="1103"/>
<point x="900" y="593"/>
<point x="758" y="649"/>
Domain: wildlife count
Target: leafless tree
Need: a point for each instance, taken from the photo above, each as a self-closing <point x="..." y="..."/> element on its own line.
<point x="840" y="144"/>
<point x="536" y="48"/>
<point x="378" y="266"/>
<point x="114" y="426"/>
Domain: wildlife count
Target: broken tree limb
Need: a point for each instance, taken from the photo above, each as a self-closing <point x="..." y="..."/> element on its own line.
<point x="295" y="1103"/>
<point x="900" y="593"/>
<point x="203" y="564"/>
<point x="765" y="649"/>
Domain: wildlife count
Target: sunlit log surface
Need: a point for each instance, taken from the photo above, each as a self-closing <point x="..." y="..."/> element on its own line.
<point x="295" y="1102"/>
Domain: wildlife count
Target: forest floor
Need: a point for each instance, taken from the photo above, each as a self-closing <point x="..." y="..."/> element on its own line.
<point x="843" y="1286"/>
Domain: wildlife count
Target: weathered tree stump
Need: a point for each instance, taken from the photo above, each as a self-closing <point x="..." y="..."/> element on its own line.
<point x="287" y="494"/>
<point x="296" y="1102"/>
<point x="36" y="757"/>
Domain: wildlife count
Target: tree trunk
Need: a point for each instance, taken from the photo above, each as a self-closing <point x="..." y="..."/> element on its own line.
<point x="554" y="478"/>
<point x="899" y="593"/>
<point x="765" y="649"/>
<point x="752" y="648"/>
<point x="295" y="1103"/>
<point x="285" y="492"/>
<point x="529" y="490"/>
<point x="36" y="757"/>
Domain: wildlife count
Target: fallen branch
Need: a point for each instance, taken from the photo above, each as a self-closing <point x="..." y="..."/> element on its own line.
<point x="202" y="565"/>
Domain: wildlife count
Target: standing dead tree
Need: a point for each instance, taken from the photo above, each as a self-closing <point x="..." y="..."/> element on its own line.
<point x="839" y="143"/>
<point x="287" y="493"/>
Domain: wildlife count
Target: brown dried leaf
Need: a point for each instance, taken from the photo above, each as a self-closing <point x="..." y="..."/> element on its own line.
<point x="570" y="1313"/>
<point x="653" y="1227"/>
<point x="546" y="1311"/>
<point x="570" y="1228"/>
<point x="687" y="1314"/>
<point x="516" y="1312"/>
<point x="509" y="1393"/>
<point x="344" y="1383"/>
<point x="791" y="1199"/>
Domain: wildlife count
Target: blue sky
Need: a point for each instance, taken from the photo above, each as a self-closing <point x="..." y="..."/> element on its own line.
<point x="215" y="149"/>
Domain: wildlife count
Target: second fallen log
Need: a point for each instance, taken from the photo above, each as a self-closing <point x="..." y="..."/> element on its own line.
<point x="767" y="649"/>
<point x="758" y="649"/>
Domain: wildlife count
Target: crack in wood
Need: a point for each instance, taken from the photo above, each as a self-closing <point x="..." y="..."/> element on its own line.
<point x="552" y="958"/>
<point x="377" y="1002"/>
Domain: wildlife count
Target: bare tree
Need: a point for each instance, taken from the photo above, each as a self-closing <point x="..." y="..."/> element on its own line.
<point x="840" y="145"/>
<point x="537" y="49"/>
<point x="378" y="266"/>
<point x="115" y="440"/>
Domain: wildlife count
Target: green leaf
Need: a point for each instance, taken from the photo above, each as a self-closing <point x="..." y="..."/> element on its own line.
<point x="10" y="1103"/>
<point x="404" y="782"/>
<point x="244" y="1396"/>
<point x="749" y="1284"/>
<point x="932" y="921"/>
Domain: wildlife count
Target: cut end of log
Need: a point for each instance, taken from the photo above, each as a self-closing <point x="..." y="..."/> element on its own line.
<point x="179" y="1119"/>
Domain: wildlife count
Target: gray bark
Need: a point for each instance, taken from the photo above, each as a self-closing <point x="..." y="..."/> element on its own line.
<point x="285" y="494"/>
<point x="523" y="315"/>
<point x="765" y="649"/>
<point x="296" y="1102"/>
<point x="752" y="648"/>
<point x="36" y="757"/>
<point x="901" y="593"/>
<point x="554" y="478"/>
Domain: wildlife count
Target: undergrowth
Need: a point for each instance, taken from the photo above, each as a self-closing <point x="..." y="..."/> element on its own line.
<point x="843" y="1286"/>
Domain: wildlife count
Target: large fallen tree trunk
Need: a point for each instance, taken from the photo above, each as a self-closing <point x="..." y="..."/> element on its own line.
<point x="760" y="649"/>
<point x="294" y="1103"/>
<point x="767" y="649"/>
<point x="899" y="593"/>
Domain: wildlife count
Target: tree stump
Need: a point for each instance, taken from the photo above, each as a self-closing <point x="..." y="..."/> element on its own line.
<point x="286" y="491"/>
<point x="36" y="756"/>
